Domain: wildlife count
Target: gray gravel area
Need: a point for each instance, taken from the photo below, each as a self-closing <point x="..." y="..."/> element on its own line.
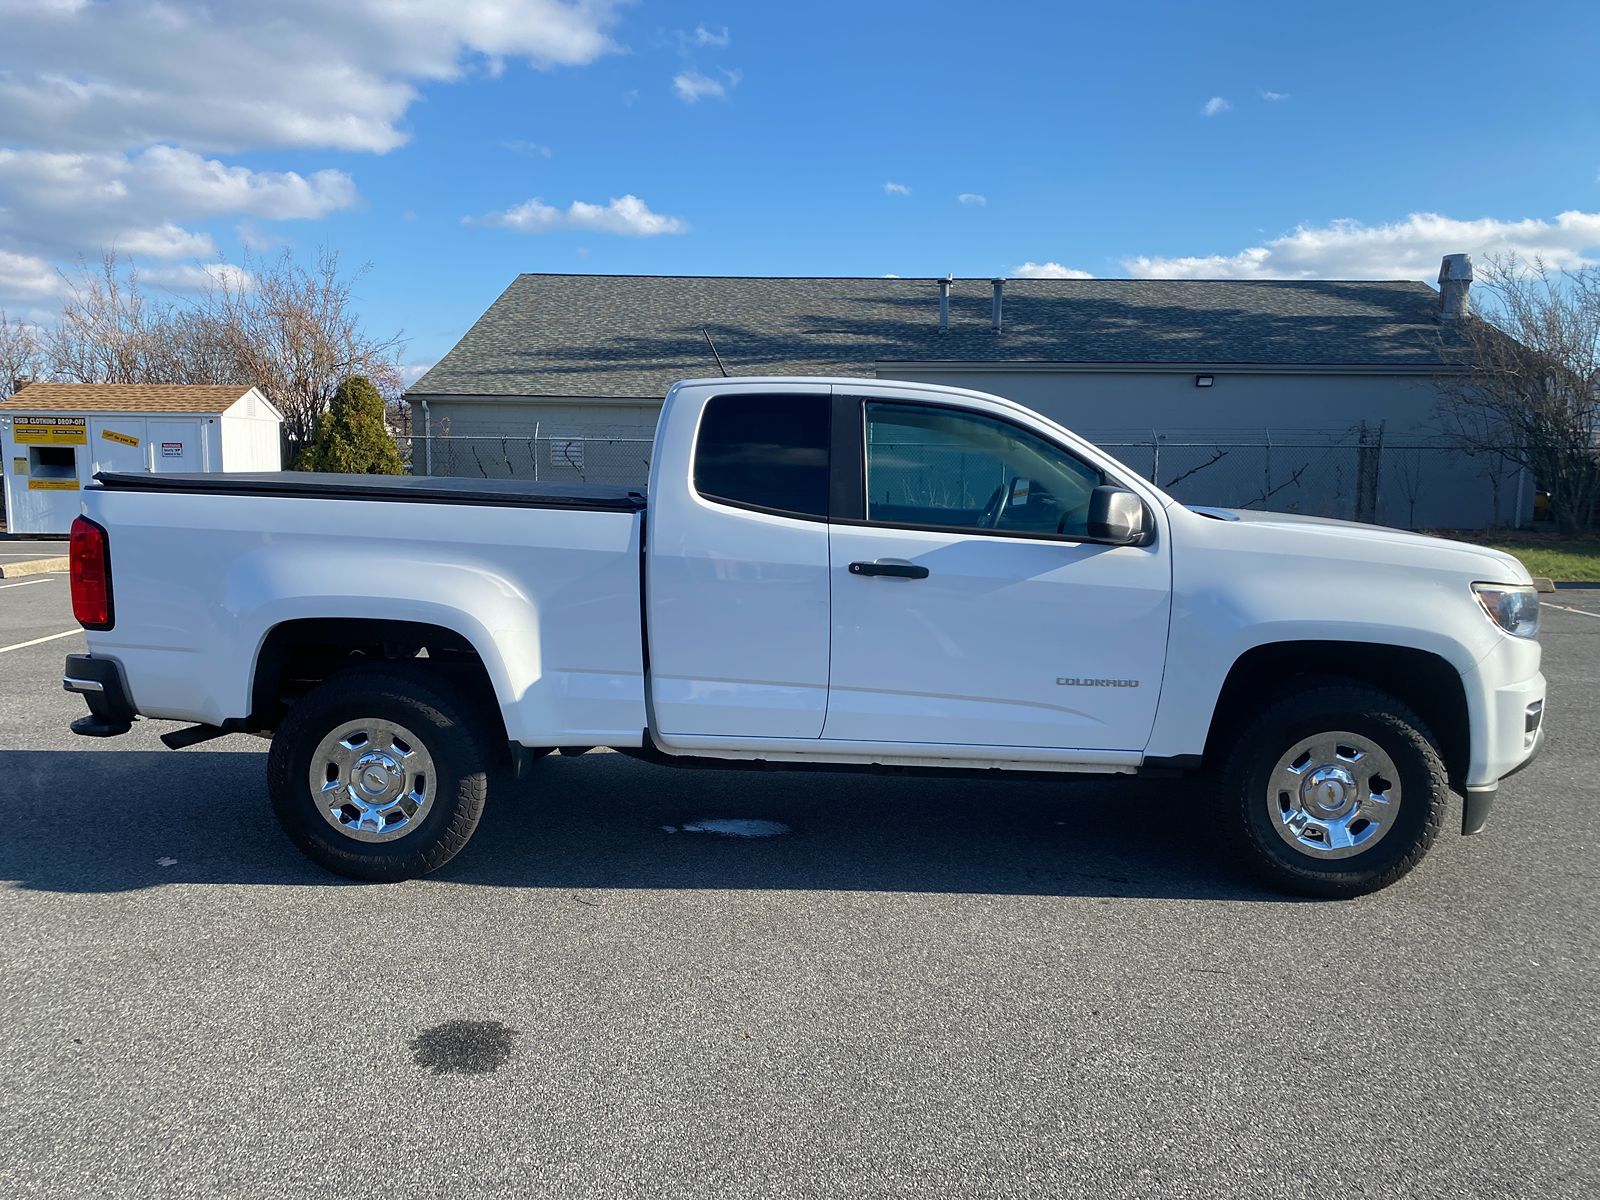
<point x="924" y="988"/>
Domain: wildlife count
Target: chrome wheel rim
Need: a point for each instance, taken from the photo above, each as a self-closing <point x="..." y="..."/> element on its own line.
<point x="1334" y="795"/>
<point x="372" y="780"/>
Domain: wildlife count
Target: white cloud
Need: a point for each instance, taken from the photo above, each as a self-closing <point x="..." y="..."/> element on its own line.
<point x="197" y="277"/>
<point x="1408" y="249"/>
<point x="411" y="372"/>
<point x="897" y="189"/>
<point x="291" y="73"/>
<point x="693" y="86"/>
<point x="1047" y="270"/>
<point x="1273" y="97"/>
<point x="626" y="215"/>
<point x="162" y="241"/>
<point x="1216" y="106"/>
<point x="518" y="146"/>
<point x="701" y="37"/>
<point x="972" y="199"/>
<point x="62" y="203"/>
<point x="255" y="237"/>
<point x="47" y="8"/>
<point x="23" y="275"/>
<point x="112" y="114"/>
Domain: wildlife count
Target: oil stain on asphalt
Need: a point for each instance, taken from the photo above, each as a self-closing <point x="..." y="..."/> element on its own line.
<point x="463" y="1047"/>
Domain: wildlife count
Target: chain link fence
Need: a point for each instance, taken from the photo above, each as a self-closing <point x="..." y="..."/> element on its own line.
<point x="1408" y="485"/>
<point x="589" y="458"/>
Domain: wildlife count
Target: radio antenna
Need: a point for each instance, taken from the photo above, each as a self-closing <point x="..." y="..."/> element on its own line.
<point x="707" y="334"/>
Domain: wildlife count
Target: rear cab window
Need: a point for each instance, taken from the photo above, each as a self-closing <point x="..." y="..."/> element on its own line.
<point x="768" y="453"/>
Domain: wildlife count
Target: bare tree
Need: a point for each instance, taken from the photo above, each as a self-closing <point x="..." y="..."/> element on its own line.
<point x="20" y="358"/>
<point x="292" y="329"/>
<point x="105" y="330"/>
<point x="1218" y="453"/>
<point x="1411" y="478"/>
<point x="1532" y="396"/>
<point x="289" y="328"/>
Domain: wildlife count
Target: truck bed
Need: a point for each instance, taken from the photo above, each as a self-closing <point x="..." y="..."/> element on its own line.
<point x="410" y="489"/>
<point x="542" y="579"/>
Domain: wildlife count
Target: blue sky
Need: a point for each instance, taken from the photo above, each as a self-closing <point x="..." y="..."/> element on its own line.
<point x="446" y="143"/>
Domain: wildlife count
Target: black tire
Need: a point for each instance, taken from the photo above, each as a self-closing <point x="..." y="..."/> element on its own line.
<point x="1244" y="784"/>
<point x="438" y="714"/>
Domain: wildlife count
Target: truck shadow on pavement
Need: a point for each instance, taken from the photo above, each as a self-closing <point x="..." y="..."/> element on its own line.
<point x="112" y="821"/>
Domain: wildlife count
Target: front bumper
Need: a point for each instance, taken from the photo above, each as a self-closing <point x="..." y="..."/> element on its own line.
<point x="99" y="681"/>
<point x="1516" y="735"/>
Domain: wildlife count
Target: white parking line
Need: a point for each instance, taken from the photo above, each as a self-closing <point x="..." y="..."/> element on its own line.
<point x="1582" y="612"/>
<point x="40" y="641"/>
<point x="25" y="582"/>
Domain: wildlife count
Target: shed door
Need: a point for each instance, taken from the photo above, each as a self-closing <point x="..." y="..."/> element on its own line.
<point x="175" y="445"/>
<point x="117" y="444"/>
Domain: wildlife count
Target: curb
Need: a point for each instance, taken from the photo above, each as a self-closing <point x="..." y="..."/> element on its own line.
<point x="33" y="566"/>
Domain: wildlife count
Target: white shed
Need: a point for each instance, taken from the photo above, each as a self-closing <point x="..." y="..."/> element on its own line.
<point x="55" y="436"/>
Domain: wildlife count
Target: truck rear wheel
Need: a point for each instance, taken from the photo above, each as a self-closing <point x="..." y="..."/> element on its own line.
<point x="379" y="773"/>
<point x="1335" y="790"/>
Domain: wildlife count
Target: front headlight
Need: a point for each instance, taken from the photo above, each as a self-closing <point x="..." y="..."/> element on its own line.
<point x="1513" y="607"/>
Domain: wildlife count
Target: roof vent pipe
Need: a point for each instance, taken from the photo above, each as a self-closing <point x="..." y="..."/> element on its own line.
<point x="1455" y="287"/>
<point x="999" y="300"/>
<point x="944" y="301"/>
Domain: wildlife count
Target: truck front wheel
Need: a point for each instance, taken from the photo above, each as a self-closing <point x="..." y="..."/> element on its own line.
<point x="1335" y="790"/>
<point x="379" y="773"/>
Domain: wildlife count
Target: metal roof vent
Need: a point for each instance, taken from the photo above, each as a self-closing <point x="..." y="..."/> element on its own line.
<point x="1455" y="287"/>
<point x="944" y="301"/>
<point x="999" y="301"/>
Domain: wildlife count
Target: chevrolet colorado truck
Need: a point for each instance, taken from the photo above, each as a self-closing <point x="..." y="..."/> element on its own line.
<point x="838" y="573"/>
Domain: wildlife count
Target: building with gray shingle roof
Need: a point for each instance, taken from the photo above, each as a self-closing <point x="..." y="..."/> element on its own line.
<point x="629" y="336"/>
<point x="587" y="359"/>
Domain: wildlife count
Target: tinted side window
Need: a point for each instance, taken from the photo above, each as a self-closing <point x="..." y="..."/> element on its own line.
<point x="768" y="452"/>
<point x="945" y="468"/>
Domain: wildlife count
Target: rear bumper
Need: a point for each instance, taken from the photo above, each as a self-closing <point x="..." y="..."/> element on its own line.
<point x="99" y="681"/>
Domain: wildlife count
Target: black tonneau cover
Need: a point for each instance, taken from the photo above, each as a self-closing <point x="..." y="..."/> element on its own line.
<point x="411" y="489"/>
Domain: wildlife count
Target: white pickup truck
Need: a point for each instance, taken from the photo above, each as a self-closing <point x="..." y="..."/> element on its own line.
<point x="828" y="572"/>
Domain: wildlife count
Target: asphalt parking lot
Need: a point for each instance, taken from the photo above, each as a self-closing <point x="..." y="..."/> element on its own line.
<point x="920" y="989"/>
<point x="16" y="551"/>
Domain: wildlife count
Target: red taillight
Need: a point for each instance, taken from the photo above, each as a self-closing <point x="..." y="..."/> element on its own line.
<point x="91" y="575"/>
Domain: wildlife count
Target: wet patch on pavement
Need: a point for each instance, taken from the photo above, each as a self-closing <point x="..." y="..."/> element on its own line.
<point x="730" y="827"/>
<point x="464" y="1047"/>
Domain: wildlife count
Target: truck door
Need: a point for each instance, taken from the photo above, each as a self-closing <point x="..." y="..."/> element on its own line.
<point x="968" y="609"/>
<point x="737" y="566"/>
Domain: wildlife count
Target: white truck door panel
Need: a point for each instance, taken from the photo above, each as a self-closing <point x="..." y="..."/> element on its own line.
<point x="737" y="566"/>
<point x="1005" y="642"/>
<point x="998" y="623"/>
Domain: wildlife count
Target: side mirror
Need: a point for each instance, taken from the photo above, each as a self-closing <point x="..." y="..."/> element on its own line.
<point x="1116" y="516"/>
